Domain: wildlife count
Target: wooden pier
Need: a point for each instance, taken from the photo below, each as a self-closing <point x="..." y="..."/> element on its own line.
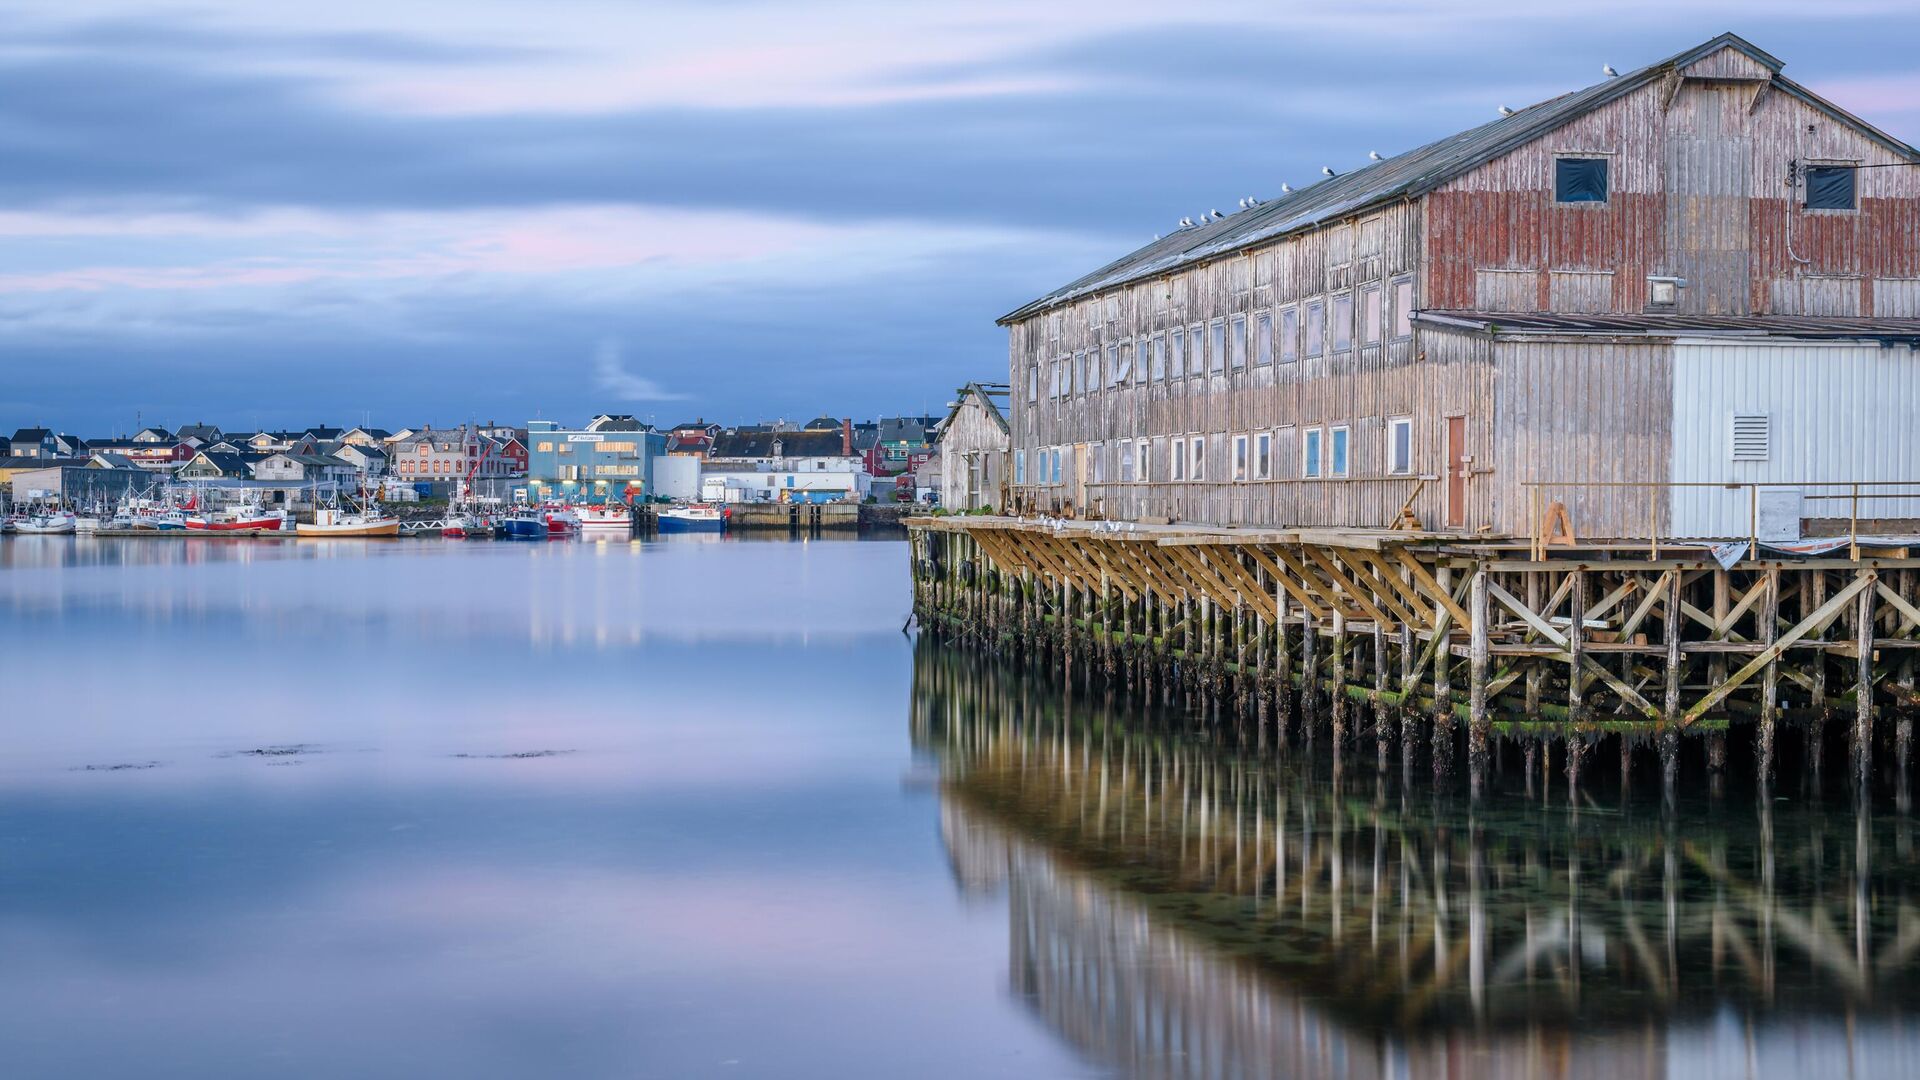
<point x="1452" y="644"/>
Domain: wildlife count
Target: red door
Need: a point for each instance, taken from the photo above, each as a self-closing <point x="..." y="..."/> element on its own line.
<point x="1458" y="462"/>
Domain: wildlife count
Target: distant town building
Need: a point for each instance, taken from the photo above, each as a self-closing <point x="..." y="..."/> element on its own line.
<point x="286" y="467"/>
<point x="450" y="454"/>
<point x="817" y="463"/>
<point x="365" y="458"/>
<point x="609" y="459"/>
<point x="214" y="465"/>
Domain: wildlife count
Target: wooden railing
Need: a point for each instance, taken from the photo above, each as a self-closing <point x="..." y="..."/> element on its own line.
<point x="1550" y="522"/>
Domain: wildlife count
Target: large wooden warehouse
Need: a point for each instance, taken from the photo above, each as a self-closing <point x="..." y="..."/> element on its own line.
<point x="1694" y="273"/>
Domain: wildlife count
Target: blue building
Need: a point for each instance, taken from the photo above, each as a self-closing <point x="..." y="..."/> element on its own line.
<point x="609" y="459"/>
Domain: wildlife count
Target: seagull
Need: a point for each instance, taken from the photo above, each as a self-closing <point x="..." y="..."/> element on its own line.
<point x="1286" y="189"/>
<point x="1217" y="215"/>
<point x="1375" y="155"/>
<point x="1186" y="223"/>
<point x="1504" y="111"/>
<point x="1607" y="70"/>
<point x="1326" y="170"/>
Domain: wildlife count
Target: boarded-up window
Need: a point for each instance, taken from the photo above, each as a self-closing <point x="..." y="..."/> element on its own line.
<point x="1237" y="343"/>
<point x="1830" y="187"/>
<point x="1752" y="436"/>
<point x="1217" y="348"/>
<point x="1897" y="298"/>
<point x="1580" y="180"/>
<point x="1342" y="323"/>
<point x="1370" y="315"/>
<point x="1263" y="338"/>
<point x="1289" y="335"/>
<point x="1316" y="328"/>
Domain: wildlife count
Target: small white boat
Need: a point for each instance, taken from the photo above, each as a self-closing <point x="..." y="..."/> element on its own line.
<point x="87" y="523"/>
<point x="349" y="523"/>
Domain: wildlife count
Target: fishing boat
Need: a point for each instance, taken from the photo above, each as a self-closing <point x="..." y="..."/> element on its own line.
<point x="334" y="522"/>
<point x="693" y="517"/>
<point x="562" y="520"/>
<point x="604" y="518"/>
<point x="524" y="523"/>
<point x="237" y="518"/>
<point x="466" y="526"/>
<point x="44" y="521"/>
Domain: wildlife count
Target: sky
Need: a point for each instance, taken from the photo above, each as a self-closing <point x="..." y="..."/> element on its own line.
<point x="263" y="214"/>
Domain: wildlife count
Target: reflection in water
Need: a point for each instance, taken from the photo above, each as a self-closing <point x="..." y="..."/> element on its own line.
<point x="1200" y="907"/>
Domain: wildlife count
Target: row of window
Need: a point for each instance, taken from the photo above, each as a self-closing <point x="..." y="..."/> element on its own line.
<point x="1325" y="453"/>
<point x="1281" y="335"/>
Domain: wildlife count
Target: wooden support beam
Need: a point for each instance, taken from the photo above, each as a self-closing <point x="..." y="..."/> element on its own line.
<point x="1435" y="591"/>
<point x="1816" y="621"/>
<point x="1284" y="576"/>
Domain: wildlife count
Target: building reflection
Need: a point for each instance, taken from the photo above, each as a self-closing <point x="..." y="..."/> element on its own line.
<point x="1193" y="906"/>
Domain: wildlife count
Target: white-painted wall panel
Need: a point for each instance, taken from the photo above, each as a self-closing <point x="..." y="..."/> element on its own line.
<point x="1838" y="413"/>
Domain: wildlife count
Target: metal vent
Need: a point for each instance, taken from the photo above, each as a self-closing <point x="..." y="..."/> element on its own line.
<point x="1752" y="436"/>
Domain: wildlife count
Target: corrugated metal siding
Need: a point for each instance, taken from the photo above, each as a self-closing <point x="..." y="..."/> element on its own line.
<point x="1837" y="412"/>
<point x="1580" y="412"/>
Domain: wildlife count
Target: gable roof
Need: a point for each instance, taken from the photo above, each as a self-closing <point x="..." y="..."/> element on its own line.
<point x="228" y="464"/>
<point x="1411" y="175"/>
<point x="793" y="444"/>
<point x="984" y="393"/>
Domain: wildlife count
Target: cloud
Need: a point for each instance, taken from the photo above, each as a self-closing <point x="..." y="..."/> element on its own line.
<point x="611" y="377"/>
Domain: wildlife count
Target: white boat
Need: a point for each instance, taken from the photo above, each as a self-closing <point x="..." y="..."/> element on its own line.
<point x="87" y="523"/>
<point x="349" y="523"/>
<point x="605" y="518"/>
<point x="45" y="522"/>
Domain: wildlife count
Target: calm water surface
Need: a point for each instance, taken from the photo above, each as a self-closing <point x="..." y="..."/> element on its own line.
<point x="690" y="809"/>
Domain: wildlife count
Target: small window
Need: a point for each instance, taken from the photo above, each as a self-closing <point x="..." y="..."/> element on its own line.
<point x="1098" y="452"/>
<point x="1177" y="459"/>
<point x="1263" y="339"/>
<point x="1403" y="308"/>
<point x="1199" y="470"/>
<point x="1316" y="328"/>
<point x="1120" y="363"/>
<point x="1056" y="464"/>
<point x="1310" y="453"/>
<point x="1066" y="384"/>
<point x="1177" y="354"/>
<point x="1125" y="451"/>
<point x="1400" y="446"/>
<point x="1263" y="456"/>
<point x="1140" y="453"/>
<point x="1752" y="436"/>
<point x="1337" y="447"/>
<point x="1033" y="383"/>
<point x="1019" y="466"/>
<point x="1092" y="381"/>
<point x="1830" y="187"/>
<point x="1343" y="323"/>
<point x="1289" y="335"/>
<point x="1370" y="315"/>
<point x="1157" y="371"/>
<point x="1217" y="348"/>
<point x="1237" y="343"/>
<point x="1240" y="462"/>
<point x="1580" y="180"/>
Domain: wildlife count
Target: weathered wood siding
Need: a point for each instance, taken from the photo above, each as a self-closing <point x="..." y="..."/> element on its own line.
<point x="1576" y="411"/>
<point x="1698" y="189"/>
<point x="1361" y="387"/>
<point x="973" y="458"/>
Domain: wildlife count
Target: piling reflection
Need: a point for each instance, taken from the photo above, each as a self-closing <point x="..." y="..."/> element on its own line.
<point x="1197" y="905"/>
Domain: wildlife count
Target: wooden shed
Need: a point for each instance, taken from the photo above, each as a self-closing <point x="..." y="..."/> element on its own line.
<point x="1620" y="300"/>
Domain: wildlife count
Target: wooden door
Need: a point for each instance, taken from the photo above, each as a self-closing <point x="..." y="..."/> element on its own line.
<point x="1458" y="463"/>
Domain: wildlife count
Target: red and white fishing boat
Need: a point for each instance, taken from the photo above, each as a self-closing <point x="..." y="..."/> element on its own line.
<point x="562" y="520"/>
<point x="605" y="518"/>
<point x="240" y="518"/>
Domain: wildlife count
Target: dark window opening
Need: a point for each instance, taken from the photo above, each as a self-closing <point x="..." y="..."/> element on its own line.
<point x="1830" y="187"/>
<point x="1578" y="180"/>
